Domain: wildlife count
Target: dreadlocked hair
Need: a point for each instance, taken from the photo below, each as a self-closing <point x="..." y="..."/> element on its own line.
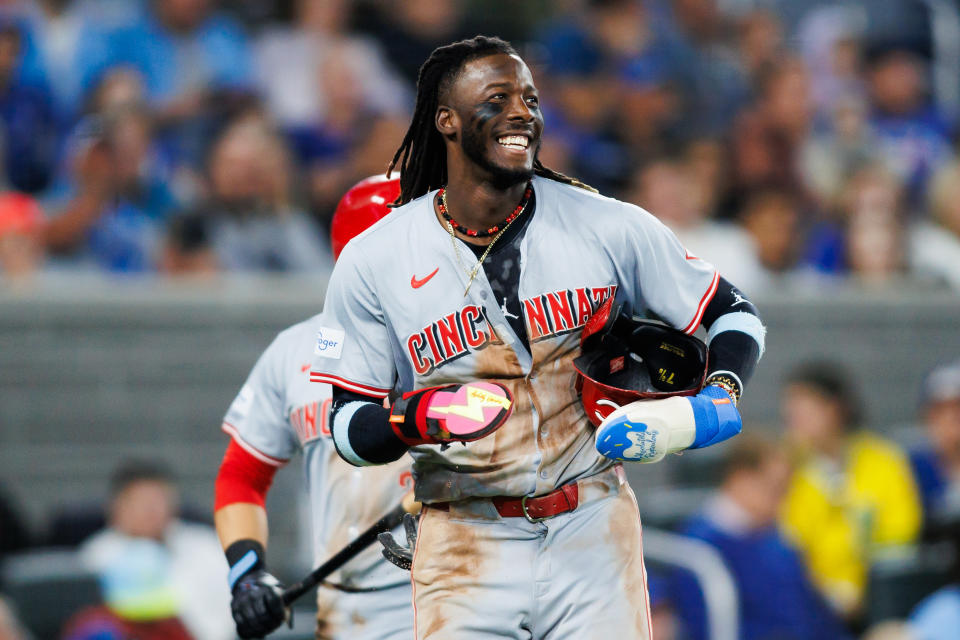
<point x="422" y="156"/>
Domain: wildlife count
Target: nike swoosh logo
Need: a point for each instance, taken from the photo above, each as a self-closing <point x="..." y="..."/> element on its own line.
<point x="416" y="284"/>
<point x="304" y="367"/>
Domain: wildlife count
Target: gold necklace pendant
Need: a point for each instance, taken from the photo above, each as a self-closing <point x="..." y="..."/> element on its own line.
<point x="476" y="268"/>
<point x="472" y="273"/>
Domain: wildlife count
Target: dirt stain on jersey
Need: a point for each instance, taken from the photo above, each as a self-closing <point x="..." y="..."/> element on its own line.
<point x="326" y="629"/>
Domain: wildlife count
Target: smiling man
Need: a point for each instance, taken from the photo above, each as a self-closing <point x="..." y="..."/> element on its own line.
<point x="470" y="300"/>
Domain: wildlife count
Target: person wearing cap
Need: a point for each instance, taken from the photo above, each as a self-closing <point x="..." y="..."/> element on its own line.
<point x="852" y="496"/>
<point x="936" y="464"/>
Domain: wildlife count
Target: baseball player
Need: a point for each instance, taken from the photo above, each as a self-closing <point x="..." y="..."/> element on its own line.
<point x="277" y="412"/>
<point x="471" y="298"/>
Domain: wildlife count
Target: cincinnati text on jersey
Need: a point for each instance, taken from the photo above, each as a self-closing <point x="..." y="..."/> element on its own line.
<point x="468" y="329"/>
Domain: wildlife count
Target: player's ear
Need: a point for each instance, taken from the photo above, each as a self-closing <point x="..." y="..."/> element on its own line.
<point x="447" y="122"/>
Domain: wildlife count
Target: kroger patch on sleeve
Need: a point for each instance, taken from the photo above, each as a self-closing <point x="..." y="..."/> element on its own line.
<point x="329" y="343"/>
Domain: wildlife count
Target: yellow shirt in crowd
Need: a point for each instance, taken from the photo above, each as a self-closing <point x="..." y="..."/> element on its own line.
<point x="838" y="517"/>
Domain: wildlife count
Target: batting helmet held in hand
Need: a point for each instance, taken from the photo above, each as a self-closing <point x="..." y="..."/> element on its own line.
<point x="623" y="359"/>
<point x="361" y="206"/>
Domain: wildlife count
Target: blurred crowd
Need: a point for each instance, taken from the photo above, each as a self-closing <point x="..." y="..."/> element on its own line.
<point x="790" y="143"/>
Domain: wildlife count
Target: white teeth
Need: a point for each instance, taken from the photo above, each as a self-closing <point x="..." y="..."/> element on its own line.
<point x="514" y="142"/>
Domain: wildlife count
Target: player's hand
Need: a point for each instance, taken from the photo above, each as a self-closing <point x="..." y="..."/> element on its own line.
<point x="647" y="430"/>
<point x="451" y="413"/>
<point x="257" y="604"/>
<point x="398" y="554"/>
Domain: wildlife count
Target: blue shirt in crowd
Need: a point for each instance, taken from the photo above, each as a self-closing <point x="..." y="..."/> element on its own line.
<point x="777" y="599"/>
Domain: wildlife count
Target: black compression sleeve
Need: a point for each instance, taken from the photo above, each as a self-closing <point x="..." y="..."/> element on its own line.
<point x="731" y="350"/>
<point x="727" y="299"/>
<point x="368" y="431"/>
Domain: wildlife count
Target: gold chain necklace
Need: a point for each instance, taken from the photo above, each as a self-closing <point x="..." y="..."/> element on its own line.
<point x="472" y="273"/>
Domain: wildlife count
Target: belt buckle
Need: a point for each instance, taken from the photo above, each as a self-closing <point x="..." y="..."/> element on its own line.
<point x="526" y="514"/>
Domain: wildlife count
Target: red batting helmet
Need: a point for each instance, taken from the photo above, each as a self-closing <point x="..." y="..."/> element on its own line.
<point x="361" y="206"/>
<point x="623" y="359"/>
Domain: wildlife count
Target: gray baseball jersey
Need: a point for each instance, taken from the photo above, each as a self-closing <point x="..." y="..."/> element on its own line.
<point x="396" y="315"/>
<point x="278" y="412"/>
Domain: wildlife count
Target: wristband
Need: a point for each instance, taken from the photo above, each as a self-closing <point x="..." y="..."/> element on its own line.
<point x="244" y="556"/>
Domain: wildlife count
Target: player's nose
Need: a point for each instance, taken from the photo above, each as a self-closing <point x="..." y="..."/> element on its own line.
<point x="519" y="111"/>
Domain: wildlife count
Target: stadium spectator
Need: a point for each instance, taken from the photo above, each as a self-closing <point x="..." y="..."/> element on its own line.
<point x="249" y="221"/>
<point x="936" y="464"/>
<point x="874" y="228"/>
<point x="195" y="63"/>
<point x="665" y="188"/>
<point x="776" y="597"/>
<point x="356" y="137"/>
<point x="186" y="572"/>
<point x="772" y="222"/>
<point x="21" y="249"/>
<point x="853" y="493"/>
<point x="289" y="61"/>
<point x="767" y="138"/>
<point x="914" y="137"/>
<point x="29" y="132"/>
<point x="934" y="243"/>
<point x="845" y="145"/>
<point x="598" y="60"/>
<point x="830" y="40"/>
<point x="865" y="237"/>
<point x="410" y="30"/>
<point x="64" y="33"/>
<point x="113" y="213"/>
<point x="711" y="59"/>
<point x="139" y="599"/>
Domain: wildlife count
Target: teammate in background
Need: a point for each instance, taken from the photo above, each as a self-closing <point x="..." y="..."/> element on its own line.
<point x="278" y="412"/>
<point x="480" y="290"/>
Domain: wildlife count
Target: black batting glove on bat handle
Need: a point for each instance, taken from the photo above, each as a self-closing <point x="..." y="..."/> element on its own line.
<point x="398" y="554"/>
<point x="257" y="604"/>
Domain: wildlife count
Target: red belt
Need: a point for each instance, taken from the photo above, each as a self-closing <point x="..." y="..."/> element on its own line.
<point x="535" y="509"/>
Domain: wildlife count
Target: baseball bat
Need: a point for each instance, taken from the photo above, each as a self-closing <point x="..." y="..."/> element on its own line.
<point x="393" y="518"/>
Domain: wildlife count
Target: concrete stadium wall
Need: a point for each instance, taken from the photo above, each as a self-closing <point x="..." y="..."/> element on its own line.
<point x="91" y="373"/>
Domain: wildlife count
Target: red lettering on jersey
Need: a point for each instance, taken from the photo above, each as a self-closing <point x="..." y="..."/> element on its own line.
<point x="584" y="308"/>
<point x="536" y="315"/>
<point x="432" y="341"/>
<point x="406" y="480"/>
<point x="450" y="336"/>
<point x="600" y="294"/>
<point x="560" y="312"/>
<point x="325" y="417"/>
<point x="415" y="344"/>
<point x="469" y="317"/>
<point x="310" y="421"/>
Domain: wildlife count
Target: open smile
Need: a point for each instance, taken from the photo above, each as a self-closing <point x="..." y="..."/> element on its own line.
<point x="515" y="143"/>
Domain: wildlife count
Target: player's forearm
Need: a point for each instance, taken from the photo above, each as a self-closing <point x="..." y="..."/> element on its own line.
<point x="241" y="521"/>
<point x="361" y="430"/>
<point x="735" y="336"/>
